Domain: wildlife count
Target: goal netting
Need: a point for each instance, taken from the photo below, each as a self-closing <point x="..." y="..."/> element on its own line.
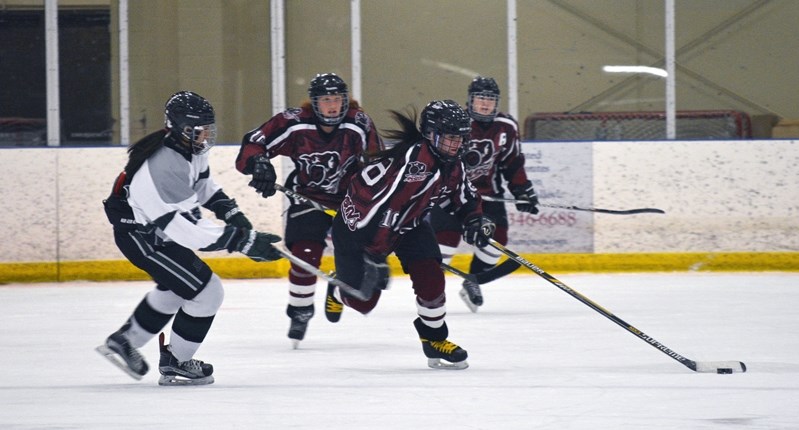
<point x="23" y="132"/>
<point x="690" y="125"/>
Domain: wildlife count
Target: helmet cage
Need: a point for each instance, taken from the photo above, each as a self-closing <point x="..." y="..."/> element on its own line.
<point x="483" y="117"/>
<point x="202" y="137"/>
<point x="447" y="146"/>
<point x="442" y="120"/>
<point x="485" y="89"/>
<point x="325" y="85"/>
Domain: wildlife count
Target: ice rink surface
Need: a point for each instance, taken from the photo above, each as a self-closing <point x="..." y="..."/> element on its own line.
<point x="539" y="359"/>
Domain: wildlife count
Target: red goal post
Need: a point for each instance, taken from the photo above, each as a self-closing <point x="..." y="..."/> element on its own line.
<point x="691" y="125"/>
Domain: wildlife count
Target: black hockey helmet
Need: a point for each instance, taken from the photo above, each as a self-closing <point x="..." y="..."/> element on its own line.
<point x="190" y="118"/>
<point x="445" y="117"/>
<point x="487" y="89"/>
<point x="324" y="85"/>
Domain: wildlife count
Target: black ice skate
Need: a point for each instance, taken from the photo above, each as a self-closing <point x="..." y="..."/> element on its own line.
<point x="174" y="372"/>
<point x="471" y="294"/>
<point x="299" y="322"/>
<point x="120" y="353"/>
<point x="437" y="350"/>
<point x="333" y="307"/>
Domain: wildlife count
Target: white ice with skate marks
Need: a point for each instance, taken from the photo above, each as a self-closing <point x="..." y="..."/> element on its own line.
<point x="538" y="359"/>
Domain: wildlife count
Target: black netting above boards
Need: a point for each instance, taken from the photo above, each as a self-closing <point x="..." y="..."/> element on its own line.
<point x="691" y="125"/>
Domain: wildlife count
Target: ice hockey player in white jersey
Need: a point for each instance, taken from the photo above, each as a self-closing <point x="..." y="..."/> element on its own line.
<point x="154" y="208"/>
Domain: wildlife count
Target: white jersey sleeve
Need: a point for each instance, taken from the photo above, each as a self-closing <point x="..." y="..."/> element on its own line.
<point x="166" y="191"/>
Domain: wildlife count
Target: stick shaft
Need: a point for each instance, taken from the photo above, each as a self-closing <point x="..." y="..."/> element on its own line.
<point x="577" y="208"/>
<point x="595" y="306"/>
<point x="310" y="268"/>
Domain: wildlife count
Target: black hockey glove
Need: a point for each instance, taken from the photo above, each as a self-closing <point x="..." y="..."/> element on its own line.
<point x="228" y="211"/>
<point x="477" y="229"/>
<point x="258" y="246"/>
<point x="375" y="273"/>
<point x="527" y="193"/>
<point x="263" y="175"/>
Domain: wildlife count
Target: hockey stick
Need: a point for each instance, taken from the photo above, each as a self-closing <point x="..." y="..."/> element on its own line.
<point x="697" y="366"/>
<point x="306" y="200"/>
<point x="576" y="208"/>
<point x="505" y="268"/>
<point x="310" y="268"/>
<point x="455" y="271"/>
<point x="493" y="274"/>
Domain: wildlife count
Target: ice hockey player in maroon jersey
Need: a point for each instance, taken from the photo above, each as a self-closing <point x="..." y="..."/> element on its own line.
<point x="324" y="139"/>
<point x="492" y="157"/>
<point x="384" y="211"/>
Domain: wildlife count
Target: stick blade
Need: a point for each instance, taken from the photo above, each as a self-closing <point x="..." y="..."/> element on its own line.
<point x="720" y="367"/>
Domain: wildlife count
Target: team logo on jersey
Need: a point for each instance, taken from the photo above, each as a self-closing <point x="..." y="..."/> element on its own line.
<point x="322" y="170"/>
<point x="416" y="171"/>
<point x="363" y="120"/>
<point x="349" y="213"/>
<point x="479" y="158"/>
<point x="292" y="113"/>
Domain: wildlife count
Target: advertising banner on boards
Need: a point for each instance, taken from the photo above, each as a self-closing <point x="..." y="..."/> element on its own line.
<point x="562" y="174"/>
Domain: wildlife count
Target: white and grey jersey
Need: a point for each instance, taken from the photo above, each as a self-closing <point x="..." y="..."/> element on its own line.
<point x="167" y="193"/>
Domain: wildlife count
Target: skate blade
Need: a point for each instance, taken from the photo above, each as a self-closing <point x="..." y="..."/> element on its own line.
<point x="174" y="380"/>
<point x="114" y="358"/>
<point x="295" y="344"/>
<point x="436" y="363"/>
<point x="465" y="296"/>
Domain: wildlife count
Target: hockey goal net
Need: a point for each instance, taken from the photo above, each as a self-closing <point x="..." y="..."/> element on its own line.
<point x="690" y="125"/>
<point x="23" y="132"/>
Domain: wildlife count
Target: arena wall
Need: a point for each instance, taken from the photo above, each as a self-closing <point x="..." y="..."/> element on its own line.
<point x="730" y="205"/>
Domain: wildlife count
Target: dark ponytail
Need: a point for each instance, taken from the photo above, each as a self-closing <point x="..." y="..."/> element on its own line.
<point x="403" y="138"/>
<point x="141" y="150"/>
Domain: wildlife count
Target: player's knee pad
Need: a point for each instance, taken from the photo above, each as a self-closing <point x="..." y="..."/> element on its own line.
<point x="208" y="301"/>
<point x="164" y="301"/>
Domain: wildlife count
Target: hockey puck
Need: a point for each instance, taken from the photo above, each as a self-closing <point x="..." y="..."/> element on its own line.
<point x="723" y="370"/>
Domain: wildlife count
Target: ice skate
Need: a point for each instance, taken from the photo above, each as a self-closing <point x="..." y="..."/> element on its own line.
<point x="471" y="294"/>
<point x="333" y="307"/>
<point x="299" y="323"/>
<point x="174" y="372"/>
<point x="437" y="350"/>
<point x="120" y="353"/>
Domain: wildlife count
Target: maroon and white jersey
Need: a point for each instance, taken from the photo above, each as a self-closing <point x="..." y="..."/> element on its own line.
<point x="392" y="196"/>
<point x="323" y="163"/>
<point x="494" y="153"/>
